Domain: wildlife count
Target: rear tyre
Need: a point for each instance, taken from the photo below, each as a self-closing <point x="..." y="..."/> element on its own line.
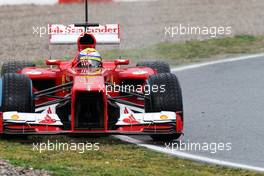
<point x="161" y="67"/>
<point x="168" y="98"/>
<point x="17" y="93"/>
<point x="14" y="66"/>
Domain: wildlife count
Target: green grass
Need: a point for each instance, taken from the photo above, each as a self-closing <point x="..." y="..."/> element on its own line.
<point x="113" y="158"/>
<point x="193" y="50"/>
<point x="188" y="51"/>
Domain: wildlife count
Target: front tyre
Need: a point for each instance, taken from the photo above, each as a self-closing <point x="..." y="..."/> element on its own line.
<point x="17" y="93"/>
<point x="168" y="98"/>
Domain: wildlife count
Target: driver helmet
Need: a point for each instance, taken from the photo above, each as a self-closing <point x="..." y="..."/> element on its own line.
<point x="89" y="57"/>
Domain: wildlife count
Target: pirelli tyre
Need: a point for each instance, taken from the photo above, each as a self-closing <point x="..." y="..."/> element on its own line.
<point x="17" y="93"/>
<point x="14" y="66"/>
<point x="164" y="94"/>
<point x="161" y="67"/>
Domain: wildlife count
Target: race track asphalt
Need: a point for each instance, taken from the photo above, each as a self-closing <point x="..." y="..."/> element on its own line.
<point x="224" y="103"/>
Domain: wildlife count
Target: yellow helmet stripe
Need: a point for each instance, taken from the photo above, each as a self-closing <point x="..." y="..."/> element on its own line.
<point x="91" y="58"/>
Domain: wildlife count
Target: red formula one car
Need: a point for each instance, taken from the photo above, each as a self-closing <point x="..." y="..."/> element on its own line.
<point x="65" y="98"/>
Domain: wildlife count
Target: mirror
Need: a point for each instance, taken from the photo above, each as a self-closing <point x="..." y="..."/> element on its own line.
<point x="52" y="62"/>
<point x="121" y="61"/>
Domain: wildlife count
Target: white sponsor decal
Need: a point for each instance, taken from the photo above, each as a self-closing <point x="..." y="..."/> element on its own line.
<point x="139" y="72"/>
<point x="33" y="72"/>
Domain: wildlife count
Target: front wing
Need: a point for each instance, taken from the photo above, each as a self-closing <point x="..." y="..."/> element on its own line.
<point x="48" y="122"/>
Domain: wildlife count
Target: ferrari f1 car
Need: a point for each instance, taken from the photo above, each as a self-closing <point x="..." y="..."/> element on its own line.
<point x="145" y="99"/>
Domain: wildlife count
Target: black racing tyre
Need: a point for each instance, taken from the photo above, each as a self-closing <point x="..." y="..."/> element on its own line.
<point x="168" y="98"/>
<point x="161" y="67"/>
<point x="14" y="66"/>
<point x="17" y="93"/>
<point x="169" y="95"/>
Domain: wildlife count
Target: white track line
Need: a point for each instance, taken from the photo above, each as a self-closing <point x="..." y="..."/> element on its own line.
<point x="191" y="156"/>
<point x="193" y="66"/>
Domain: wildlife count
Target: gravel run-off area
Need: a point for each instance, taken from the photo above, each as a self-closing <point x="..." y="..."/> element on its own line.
<point x="7" y="169"/>
<point x="142" y="23"/>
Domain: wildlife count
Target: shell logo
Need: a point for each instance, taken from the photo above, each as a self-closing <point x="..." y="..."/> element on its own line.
<point x="163" y="117"/>
<point x="15" y="117"/>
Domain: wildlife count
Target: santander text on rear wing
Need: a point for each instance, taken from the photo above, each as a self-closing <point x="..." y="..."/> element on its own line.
<point x="108" y="34"/>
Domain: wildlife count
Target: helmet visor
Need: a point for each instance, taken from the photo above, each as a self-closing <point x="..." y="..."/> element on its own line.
<point x="90" y="62"/>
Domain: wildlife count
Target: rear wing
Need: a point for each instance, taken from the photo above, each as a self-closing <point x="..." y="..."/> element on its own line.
<point x="104" y="34"/>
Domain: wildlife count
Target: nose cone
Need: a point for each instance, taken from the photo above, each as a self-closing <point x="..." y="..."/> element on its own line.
<point x="89" y="83"/>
